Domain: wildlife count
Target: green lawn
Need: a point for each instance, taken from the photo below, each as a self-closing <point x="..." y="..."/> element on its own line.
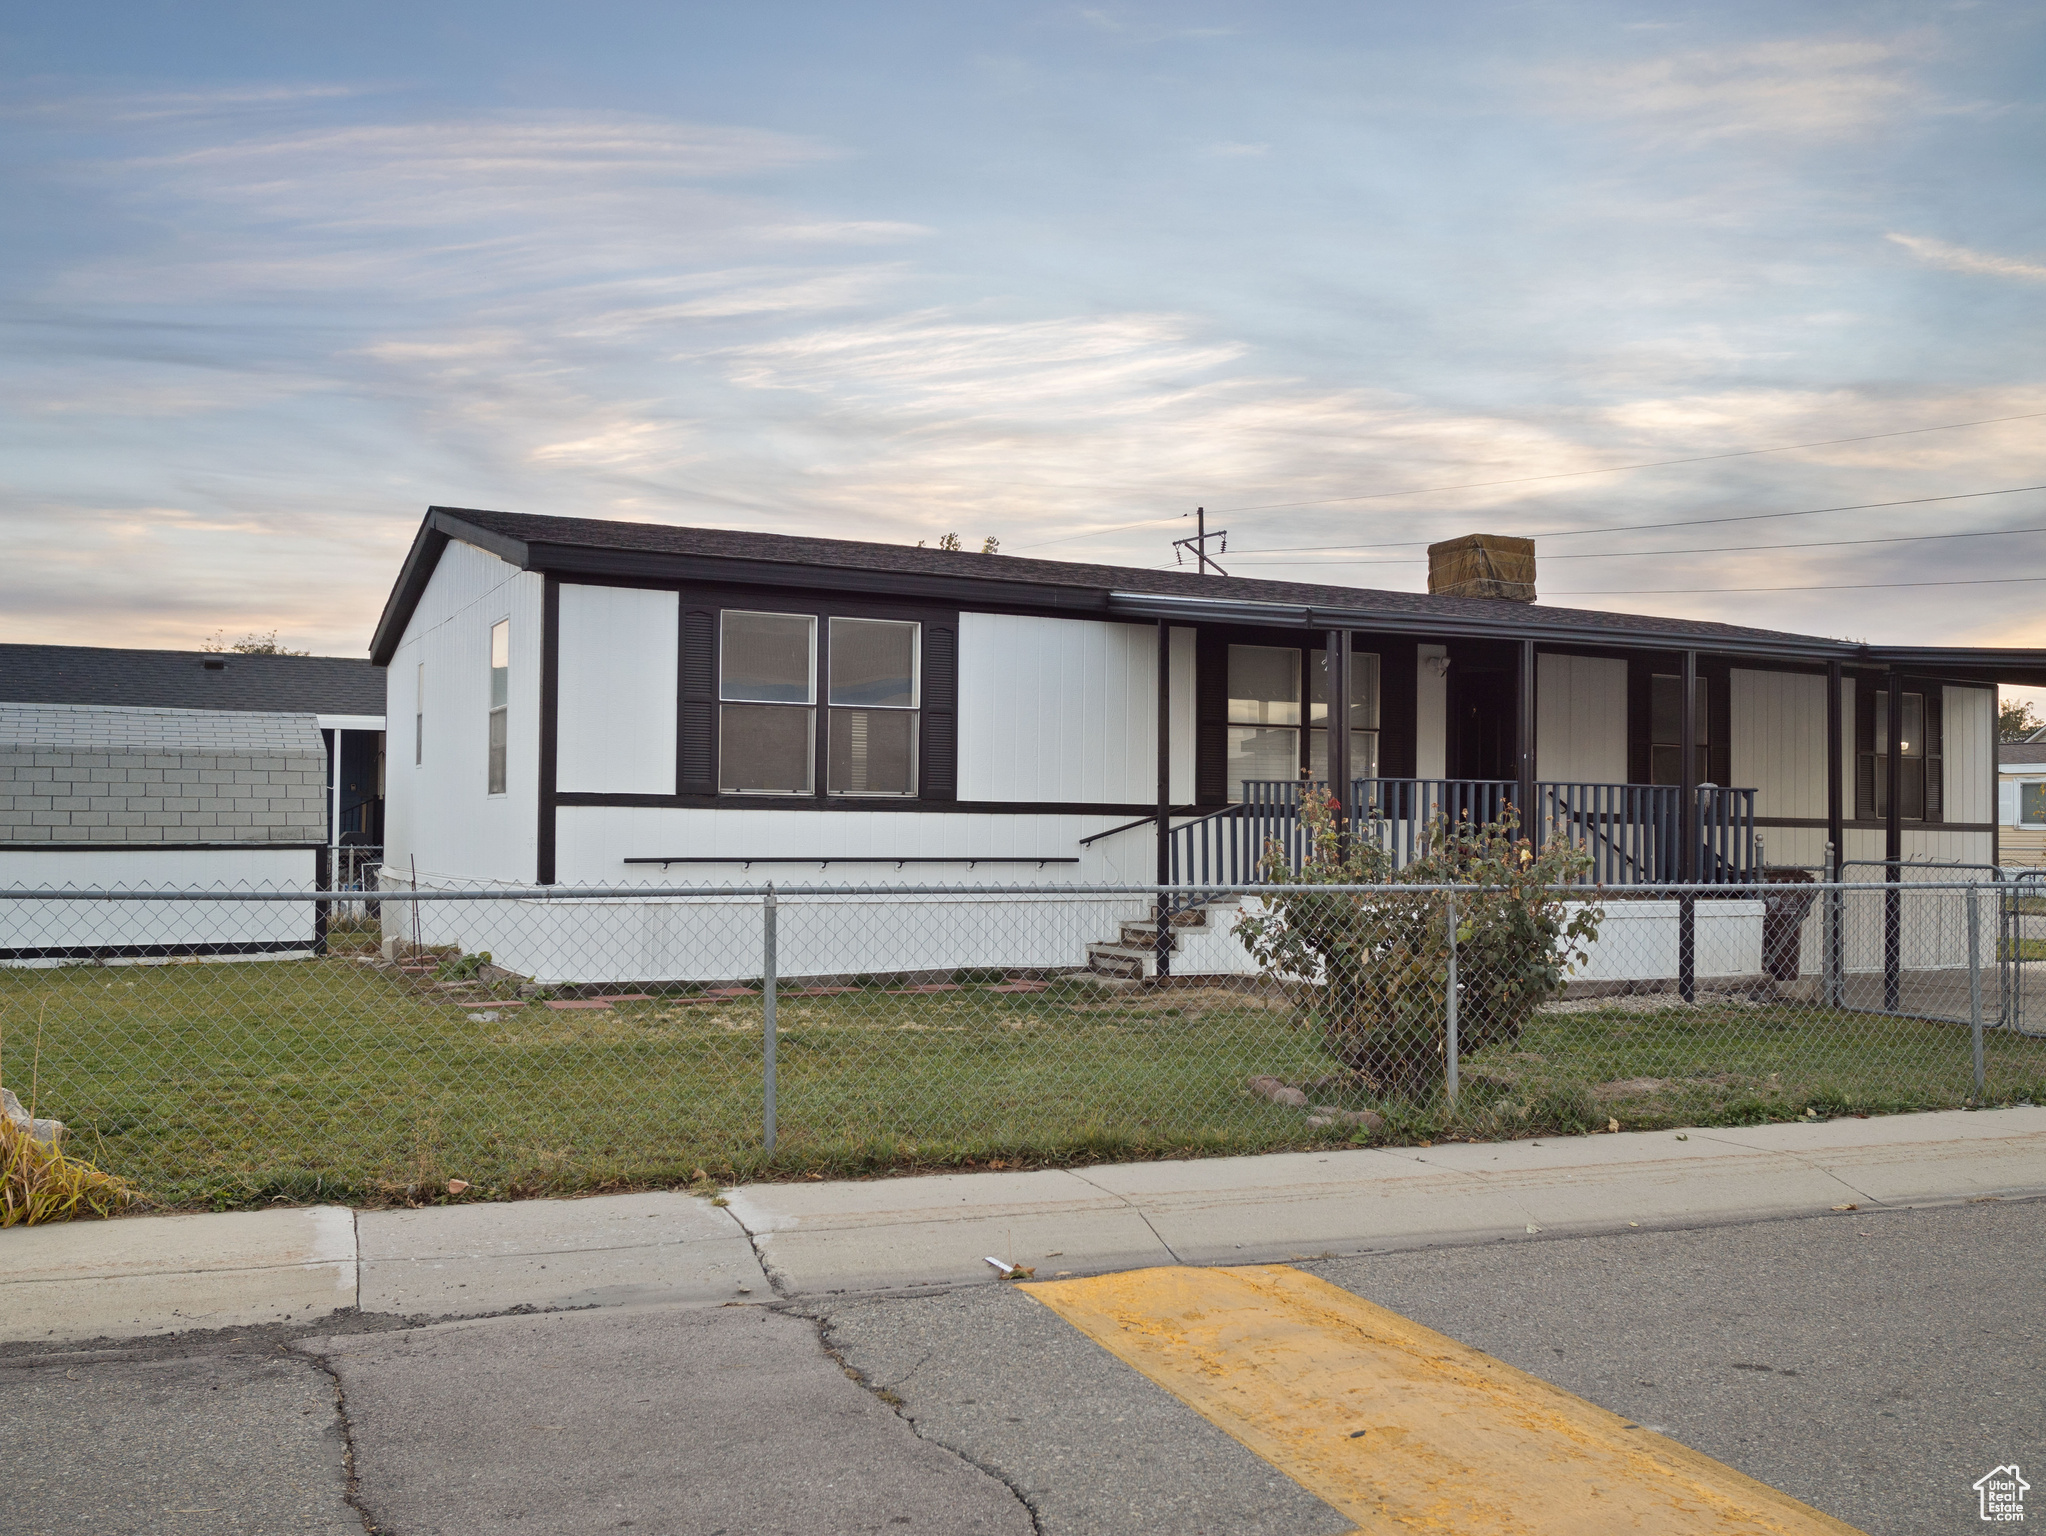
<point x="236" y="1084"/>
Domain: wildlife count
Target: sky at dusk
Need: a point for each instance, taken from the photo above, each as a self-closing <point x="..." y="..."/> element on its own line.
<point x="273" y="279"/>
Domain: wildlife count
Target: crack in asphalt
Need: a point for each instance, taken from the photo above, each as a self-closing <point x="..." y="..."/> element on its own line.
<point x="900" y="1409"/>
<point x="351" y="1488"/>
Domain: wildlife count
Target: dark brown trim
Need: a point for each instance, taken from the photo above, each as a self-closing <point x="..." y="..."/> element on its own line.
<point x="550" y="728"/>
<point x="1527" y="669"/>
<point x="1163" y="809"/>
<point x="1836" y="794"/>
<point x="571" y="800"/>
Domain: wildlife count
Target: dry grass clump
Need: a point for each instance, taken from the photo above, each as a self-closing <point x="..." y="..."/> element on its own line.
<point x="39" y="1183"/>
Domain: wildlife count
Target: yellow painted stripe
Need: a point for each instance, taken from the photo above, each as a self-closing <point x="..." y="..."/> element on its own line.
<point x="1452" y="1440"/>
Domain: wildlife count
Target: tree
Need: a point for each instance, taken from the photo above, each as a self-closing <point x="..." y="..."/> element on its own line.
<point x="249" y="645"/>
<point x="1370" y="967"/>
<point x="2015" y="720"/>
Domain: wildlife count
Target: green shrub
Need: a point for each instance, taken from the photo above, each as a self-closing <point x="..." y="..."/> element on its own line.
<point x="1371" y="968"/>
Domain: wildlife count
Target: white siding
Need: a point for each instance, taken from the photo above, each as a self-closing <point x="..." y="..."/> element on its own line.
<point x="1065" y="710"/>
<point x="617" y="660"/>
<point x="1431" y="713"/>
<point x="440" y="812"/>
<point x="1580" y="719"/>
<point x="1778" y="743"/>
<point x="595" y="841"/>
<point x="1968" y="749"/>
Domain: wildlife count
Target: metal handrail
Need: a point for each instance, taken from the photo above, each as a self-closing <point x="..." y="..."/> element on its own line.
<point x="1141" y="821"/>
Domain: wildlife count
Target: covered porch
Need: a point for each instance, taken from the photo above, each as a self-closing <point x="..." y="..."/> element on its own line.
<point x="1672" y="753"/>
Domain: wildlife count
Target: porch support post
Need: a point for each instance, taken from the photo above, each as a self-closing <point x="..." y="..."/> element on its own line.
<point x="1893" y="843"/>
<point x="1836" y="833"/>
<point x="1163" y="947"/>
<point x="1524" y="745"/>
<point x="1337" y="651"/>
<point x="1689" y="833"/>
<point x="1836" y="797"/>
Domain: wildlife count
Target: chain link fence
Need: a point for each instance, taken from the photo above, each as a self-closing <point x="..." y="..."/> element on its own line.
<point x="230" y="1047"/>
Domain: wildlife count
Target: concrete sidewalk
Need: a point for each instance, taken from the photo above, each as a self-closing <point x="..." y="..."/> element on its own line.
<point x="150" y="1275"/>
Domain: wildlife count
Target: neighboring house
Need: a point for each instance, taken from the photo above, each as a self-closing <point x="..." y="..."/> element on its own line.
<point x="588" y="702"/>
<point x="179" y="770"/>
<point x="2021" y="802"/>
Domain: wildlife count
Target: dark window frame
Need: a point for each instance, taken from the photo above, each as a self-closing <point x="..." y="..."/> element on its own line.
<point x="936" y="708"/>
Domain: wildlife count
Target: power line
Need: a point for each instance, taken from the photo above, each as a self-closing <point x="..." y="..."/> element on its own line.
<point x="1683" y="522"/>
<point x="1844" y="586"/>
<point x="1614" y="469"/>
<point x="1716" y="549"/>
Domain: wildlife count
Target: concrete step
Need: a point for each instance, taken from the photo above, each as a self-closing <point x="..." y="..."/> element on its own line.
<point x="1130" y="960"/>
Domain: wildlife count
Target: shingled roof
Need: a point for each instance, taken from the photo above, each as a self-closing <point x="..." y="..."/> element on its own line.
<point x="572" y="547"/>
<point x="86" y="674"/>
<point x="906" y="560"/>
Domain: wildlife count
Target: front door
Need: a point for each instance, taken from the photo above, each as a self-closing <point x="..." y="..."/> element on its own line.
<point x="1481" y="723"/>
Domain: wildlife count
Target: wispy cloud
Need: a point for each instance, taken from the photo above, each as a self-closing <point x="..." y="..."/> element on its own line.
<point x="1958" y="258"/>
<point x="1785" y="89"/>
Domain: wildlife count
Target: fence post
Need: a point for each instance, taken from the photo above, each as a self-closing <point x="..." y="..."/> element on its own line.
<point x="1835" y="901"/>
<point x="1975" y="978"/>
<point x="1450" y="1019"/>
<point x="767" y="966"/>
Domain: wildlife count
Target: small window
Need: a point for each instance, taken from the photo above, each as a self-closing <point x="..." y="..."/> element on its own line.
<point x="873" y="707"/>
<point x="1666" y="729"/>
<point x="419" y="717"/>
<point x="767" y="691"/>
<point x="500" y="700"/>
<point x="1264" y="714"/>
<point x="2032" y="803"/>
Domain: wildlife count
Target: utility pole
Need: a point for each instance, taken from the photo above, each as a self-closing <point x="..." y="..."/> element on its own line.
<point x="1199" y="542"/>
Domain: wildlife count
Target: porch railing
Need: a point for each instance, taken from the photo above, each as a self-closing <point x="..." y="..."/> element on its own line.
<point x="1633" y="832"/>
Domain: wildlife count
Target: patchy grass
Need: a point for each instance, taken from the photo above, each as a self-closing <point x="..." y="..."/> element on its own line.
<point x="2021" y="949"/>
<point x="237" y="1084"/>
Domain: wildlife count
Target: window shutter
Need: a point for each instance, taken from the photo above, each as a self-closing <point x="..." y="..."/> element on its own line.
<point x="696" y="714"/>
<point x="938" y="751"/>
<point x="1935" y="774"/>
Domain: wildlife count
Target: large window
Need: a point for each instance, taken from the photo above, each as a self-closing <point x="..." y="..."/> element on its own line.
<point x="767" y="714"/>
<point x="500" y="700"/>
<point x="1266" y="717"/>
<point x="1666" y="730"/>
<point x="873" y="707"/>
<point x="768" y="701"/>
<point x="1264" y="714"/>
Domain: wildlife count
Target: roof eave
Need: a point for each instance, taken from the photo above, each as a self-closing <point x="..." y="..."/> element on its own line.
<point x="438" y="526"/>
<point x="1535" y="626"/>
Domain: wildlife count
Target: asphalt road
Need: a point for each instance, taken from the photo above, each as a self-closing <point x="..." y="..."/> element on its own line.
<point x="1874" y="1364"/>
